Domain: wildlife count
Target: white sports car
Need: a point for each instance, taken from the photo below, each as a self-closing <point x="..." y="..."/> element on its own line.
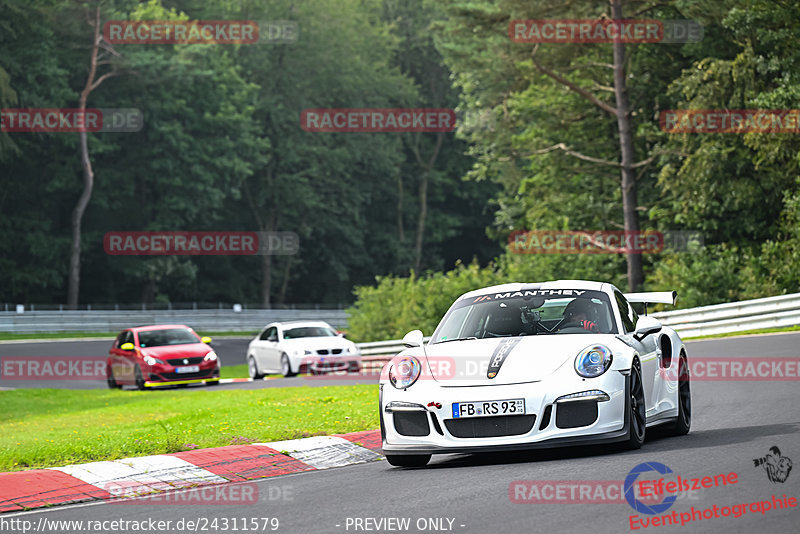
<point x="521" y="366"/>
<point x="301" y="347"/>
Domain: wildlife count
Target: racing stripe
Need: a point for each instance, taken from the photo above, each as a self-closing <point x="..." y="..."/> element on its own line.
<point x="499" y="355"/>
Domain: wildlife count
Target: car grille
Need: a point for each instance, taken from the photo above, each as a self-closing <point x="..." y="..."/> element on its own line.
<point x="324" y="352"/>
<point x="411" y="423"/>
<point x="190" y="361"/>
<point x="490" y="427"/>
<point x="187" y="376"/>
<point x="576" y="414"/>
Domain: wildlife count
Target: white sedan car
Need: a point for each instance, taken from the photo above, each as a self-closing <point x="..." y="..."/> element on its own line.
<point x="301" y="347"/>
<point x="521" y="366"/>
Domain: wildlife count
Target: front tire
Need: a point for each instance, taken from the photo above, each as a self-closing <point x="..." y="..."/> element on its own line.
<point x="408" y="460"/>
<point x="110" y="380"/>
<point x="286" y="367"/>
<point x="635" y="406"/>
<point x="139" y="379"/>
<point x="252" y="369"/>
<point x="684" y="421"/>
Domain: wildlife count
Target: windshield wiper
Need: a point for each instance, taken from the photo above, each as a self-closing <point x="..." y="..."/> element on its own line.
<point x="455" y="339"/>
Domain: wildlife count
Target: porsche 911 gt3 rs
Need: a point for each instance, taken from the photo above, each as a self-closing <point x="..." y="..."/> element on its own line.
<point x="521" y="366"/>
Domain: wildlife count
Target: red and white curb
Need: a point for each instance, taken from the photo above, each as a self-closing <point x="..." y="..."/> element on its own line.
<point x="164" y="472"/>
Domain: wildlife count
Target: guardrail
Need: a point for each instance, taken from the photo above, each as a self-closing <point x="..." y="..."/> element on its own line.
<point x="770" y="312"/>
<point x="248" y="321"/>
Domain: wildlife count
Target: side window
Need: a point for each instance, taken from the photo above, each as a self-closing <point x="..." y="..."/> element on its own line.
<point x="118" y="341"/>
<point x="128" y="337"/>
<point x="270" y="334"/>
<point x="626" y="312"/>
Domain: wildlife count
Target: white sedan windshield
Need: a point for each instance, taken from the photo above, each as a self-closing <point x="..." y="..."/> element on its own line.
<point x="308" y="331"/>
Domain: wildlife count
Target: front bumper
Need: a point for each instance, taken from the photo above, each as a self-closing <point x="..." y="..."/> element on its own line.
<point x="555" y="422"/>
<point x="165" y="373"/>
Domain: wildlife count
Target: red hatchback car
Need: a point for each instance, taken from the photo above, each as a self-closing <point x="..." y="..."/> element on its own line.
<point x="148" y="356"/>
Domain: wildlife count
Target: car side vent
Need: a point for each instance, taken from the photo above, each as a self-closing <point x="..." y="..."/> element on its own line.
<point x="436" y="424"/>
<point x="546" y="417"/>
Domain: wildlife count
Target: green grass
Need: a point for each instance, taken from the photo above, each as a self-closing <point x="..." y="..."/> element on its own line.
<point x="47" y="427"/>
<point x="793" y="328"/>
<point x="13" y="336"/>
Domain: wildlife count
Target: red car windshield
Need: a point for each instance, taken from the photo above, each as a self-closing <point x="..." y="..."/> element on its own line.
<point x="171" y="336"/>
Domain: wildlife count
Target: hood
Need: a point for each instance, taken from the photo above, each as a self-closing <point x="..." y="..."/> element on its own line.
<point x="191" y="350"/>
<point x="514" y="360"/>
<point x="318" y="343"/>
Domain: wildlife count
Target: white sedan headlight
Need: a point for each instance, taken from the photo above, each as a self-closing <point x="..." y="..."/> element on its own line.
<point x="404" y="372"/>
<point x="210" y="357"/>
<point x="593" y="361"/>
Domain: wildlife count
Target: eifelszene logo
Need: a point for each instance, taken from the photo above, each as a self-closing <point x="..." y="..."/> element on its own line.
<point x="777" y="467"/>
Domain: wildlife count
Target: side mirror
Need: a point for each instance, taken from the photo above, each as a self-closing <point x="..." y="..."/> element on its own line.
<point x="647" y="325"/>
<point x="205" y="339"/>
<point x="413" y="339"/>
<point x="342" y="334"/>
<point x="126" y="346"/>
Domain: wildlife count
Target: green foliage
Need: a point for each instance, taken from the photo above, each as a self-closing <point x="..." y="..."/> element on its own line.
<point x="48" y="428"/>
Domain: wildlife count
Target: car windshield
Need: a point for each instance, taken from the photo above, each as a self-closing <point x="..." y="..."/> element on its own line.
<point x="308" y="331"/>
<point x="171" y="336"/>
<point x="528" y="312"/>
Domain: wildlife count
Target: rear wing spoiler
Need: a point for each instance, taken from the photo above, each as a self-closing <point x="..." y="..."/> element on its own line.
<point x="653" y="297"/>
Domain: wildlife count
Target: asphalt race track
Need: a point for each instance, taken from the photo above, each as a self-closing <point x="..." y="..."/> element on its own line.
<point x="734" y="422"/>
<point x="232" y="351"/>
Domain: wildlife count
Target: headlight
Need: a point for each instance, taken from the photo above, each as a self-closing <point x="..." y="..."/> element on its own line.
<point x="307" y="352"/>
<point x="210" y="357"/>
<point x="149" y="360"/>
<point x="404" y="372"/>
<point x="352" y="350"/>
<point x="593" y="361"/>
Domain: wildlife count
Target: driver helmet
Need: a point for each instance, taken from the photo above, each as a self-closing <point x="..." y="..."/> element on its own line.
<point x="584" y="307"/>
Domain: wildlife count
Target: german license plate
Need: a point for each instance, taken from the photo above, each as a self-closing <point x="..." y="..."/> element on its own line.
<point x="488" y="408"/>
<point x="188" y="369"/>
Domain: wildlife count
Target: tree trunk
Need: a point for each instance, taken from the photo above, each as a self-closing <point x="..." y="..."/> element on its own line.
<point x="287" y="269"/>
<point x="628" y="180"/>
<point x="401" y="236"/>
<point x="423" y="213"/>
<point x="77" y="217"/>
<point x="74" y="277"/>
<point x="266" y="280"/>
